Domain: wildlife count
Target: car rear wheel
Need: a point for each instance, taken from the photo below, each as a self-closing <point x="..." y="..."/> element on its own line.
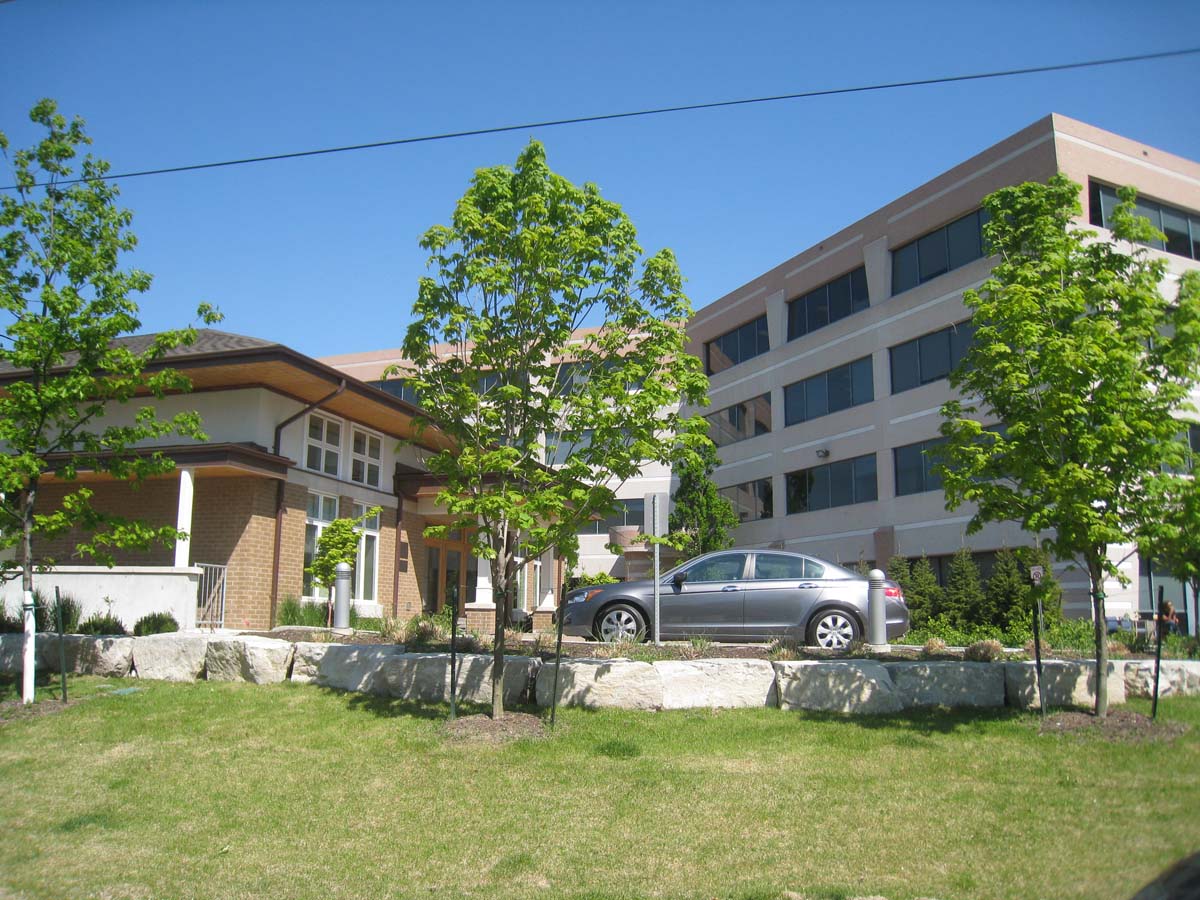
<point x="833" y="629"/>
<point x="621" y="622"/>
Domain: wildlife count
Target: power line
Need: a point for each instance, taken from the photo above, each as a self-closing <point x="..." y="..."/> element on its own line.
<point x="578" y="120"/>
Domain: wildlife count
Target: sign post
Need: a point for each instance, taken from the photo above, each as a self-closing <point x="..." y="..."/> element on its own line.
<point x="656" y="526"/>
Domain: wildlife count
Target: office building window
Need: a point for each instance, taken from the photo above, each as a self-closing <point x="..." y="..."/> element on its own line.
<point x="929" y="357"/>
<point x="736" y="346"/>
<point x="752" y="500"/>
<point x="841" y="483"/>
<point x="625" y="512"/>
<point x="914" y="467"/>
<point x="828" y="303"/>
<point x="938" y="252"/>
<point x="397" y="387"/>
<point x="828" y="392"/>
<point x="1181" y="228"/>
<point x="740" y="421"/>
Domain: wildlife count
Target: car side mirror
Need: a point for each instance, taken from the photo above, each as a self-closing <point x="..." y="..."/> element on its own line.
<point x="679" y="578"/>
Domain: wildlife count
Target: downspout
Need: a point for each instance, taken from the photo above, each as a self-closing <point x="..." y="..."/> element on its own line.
<point x="396" y="561"/>
<point x="280" y="490"/>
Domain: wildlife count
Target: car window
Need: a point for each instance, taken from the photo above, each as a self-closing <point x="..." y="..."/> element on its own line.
<point x="728" y="567"/>
<point x="813" y="569"/>
<point x="768" y="565"/>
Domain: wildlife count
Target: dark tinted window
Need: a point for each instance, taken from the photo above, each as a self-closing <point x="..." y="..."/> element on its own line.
<point x="742" y="343"/>
<point x="938" y="252"/>
<point x="752" y="500"/>
<point x="836" y="484"/>
<point x="827" y="304"/>
<point x="929" y="357"/>
<point x="772" y="566"/>
<point x="740" y="421"/>
<point x="726" y="567"/>
<point x="914" y="467"/>
<point x="829" y="392"/>
<point x="1181" y="227"/>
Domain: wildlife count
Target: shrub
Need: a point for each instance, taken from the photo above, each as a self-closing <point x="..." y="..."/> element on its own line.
<point x="102" y="623"/>
<point x="933" y="647"/>
<point x="696" y="648"/>
<point x="963" y="601"/>
<point x="783" y="649"/>
<point x="155" y="623"/>
<point x="422" y="630"/>
<point x="582" y="580"/>
<point x="984" y="651"/>
<point x="390" y="629"/>
<point x="10" y="623"/>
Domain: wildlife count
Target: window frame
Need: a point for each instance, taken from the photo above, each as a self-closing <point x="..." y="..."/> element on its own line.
<point x="757" y="326"/>
<point x="322" y="445"/>
<point x="365" y="530"/>
<point x="1102" y="197"/>
<point x="318" y="523"/>
<point x="761" y="492"/>
<point x="922" y="448"/>
<point x="937" y="241"/>
<point x="958" y="339"/>
<point x="822" y="477"/>
<point x="802" y="389"/>
<point x="365" y="458"/>
<point x="746" y="410"/>
<point x="799" y="307"/>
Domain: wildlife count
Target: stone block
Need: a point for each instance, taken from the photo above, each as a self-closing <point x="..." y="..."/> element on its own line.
<point x="103" y="655"/>
<point x="425" y="677"/>
<point x="346" y="667"/>
<point x="170" y="657"/>
<point x="259" y="660"/>
<point x="1177" y="677"/>
<point x="1067" y="683"/>
<point x="948" y="683"/>
<point x="602" y="683"/>
<point x="842" y="686"/>
<point x="716" y="683"/>
<point x="12" y="650"/>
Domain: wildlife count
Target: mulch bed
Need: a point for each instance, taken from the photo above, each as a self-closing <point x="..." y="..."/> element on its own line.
<point x="1119" y="726"/>
<point x="12" y="710"/>
<point x="481" y="729"/>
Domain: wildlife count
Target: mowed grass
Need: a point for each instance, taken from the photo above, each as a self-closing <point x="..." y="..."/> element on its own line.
<point x="230" y="790"/>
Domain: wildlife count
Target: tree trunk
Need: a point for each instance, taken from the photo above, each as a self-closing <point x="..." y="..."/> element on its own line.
<point x="499" y="594"/>
<point x="1096" y="577"/>
<point x="29" y="654"/>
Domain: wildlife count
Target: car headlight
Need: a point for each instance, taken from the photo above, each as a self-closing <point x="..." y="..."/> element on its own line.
<point x="583" y="596"/>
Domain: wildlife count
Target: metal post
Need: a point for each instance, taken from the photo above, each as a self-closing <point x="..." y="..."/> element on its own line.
<point x="877" y="613"/>
<point x="62" y="649"/>
<point x="341" y="595"/>
<point x="1036" y="574"/>
<point x="657" y="567"/>
<point x="557" y="656"/>
<point x="1159" y="622"/>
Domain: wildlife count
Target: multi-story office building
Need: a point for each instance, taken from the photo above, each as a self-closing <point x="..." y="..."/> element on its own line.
<point x="828" y="371"/>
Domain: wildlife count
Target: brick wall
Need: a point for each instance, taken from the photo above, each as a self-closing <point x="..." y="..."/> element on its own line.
<point x="154" y="502"/>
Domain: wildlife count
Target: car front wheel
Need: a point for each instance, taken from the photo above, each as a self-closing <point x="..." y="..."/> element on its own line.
<point x="621" y="623"/>
<point x="833" y="630"/>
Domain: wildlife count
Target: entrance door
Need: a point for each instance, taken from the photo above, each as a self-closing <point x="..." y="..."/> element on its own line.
<point x="450" y="574"/>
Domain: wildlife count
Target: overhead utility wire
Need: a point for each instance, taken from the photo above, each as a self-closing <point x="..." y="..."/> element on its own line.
<point x="828" y="92"/>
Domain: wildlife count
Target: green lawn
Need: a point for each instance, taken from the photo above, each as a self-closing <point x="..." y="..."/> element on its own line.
<point x="232" y="790"/>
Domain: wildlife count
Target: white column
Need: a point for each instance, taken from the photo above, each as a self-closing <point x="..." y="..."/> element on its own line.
<point x="183" y="518"/>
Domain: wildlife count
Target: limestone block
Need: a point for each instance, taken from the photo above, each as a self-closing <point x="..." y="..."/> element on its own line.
<point x="948" y="683"/>
<point x="12" y="650"/>
<point x="170" y="657"/>
<point x="844" y="686"/>
<point x="425" y="677"/>
<point x="1068" y="683"/>
<point x="1177" y="677"/>
<point x="717" y="683"/>
<point x="259" y="660"/>
<point x="347" y="667"/>
<point x="103" y="655"/>
<point x="602" y="682"/>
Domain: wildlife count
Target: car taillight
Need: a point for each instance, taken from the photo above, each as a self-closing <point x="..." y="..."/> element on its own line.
<point x="894" y="592"/>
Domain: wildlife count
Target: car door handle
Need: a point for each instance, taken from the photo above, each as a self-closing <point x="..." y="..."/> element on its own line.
<point x="730" y="587"/>
<point x="807" y="584"/>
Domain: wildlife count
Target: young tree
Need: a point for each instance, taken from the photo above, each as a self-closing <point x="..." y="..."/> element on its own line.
<point x="963" y="601"/>
<point x="922" y="593"/>
<point x="65" y="302"/>
<point x="1084" y="360"/>
<point x="545" y="420"/>
<point x="700" y="517"/>
<point x="1010" y="592"/>
<point x="338" y="543"/>
<point x="1172" y="537"/>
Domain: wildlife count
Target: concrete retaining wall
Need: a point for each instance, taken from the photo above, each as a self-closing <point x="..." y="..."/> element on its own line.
<point x="852" y="686"/>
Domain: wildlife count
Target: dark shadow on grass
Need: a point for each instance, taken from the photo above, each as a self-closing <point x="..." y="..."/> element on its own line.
<point x="99" y="819"/>
<point x="395" y="707"/>
<point x="921" y="721"/>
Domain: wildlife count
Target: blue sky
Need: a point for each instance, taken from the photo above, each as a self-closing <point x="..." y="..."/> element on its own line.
<point x="321" y="254"/>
